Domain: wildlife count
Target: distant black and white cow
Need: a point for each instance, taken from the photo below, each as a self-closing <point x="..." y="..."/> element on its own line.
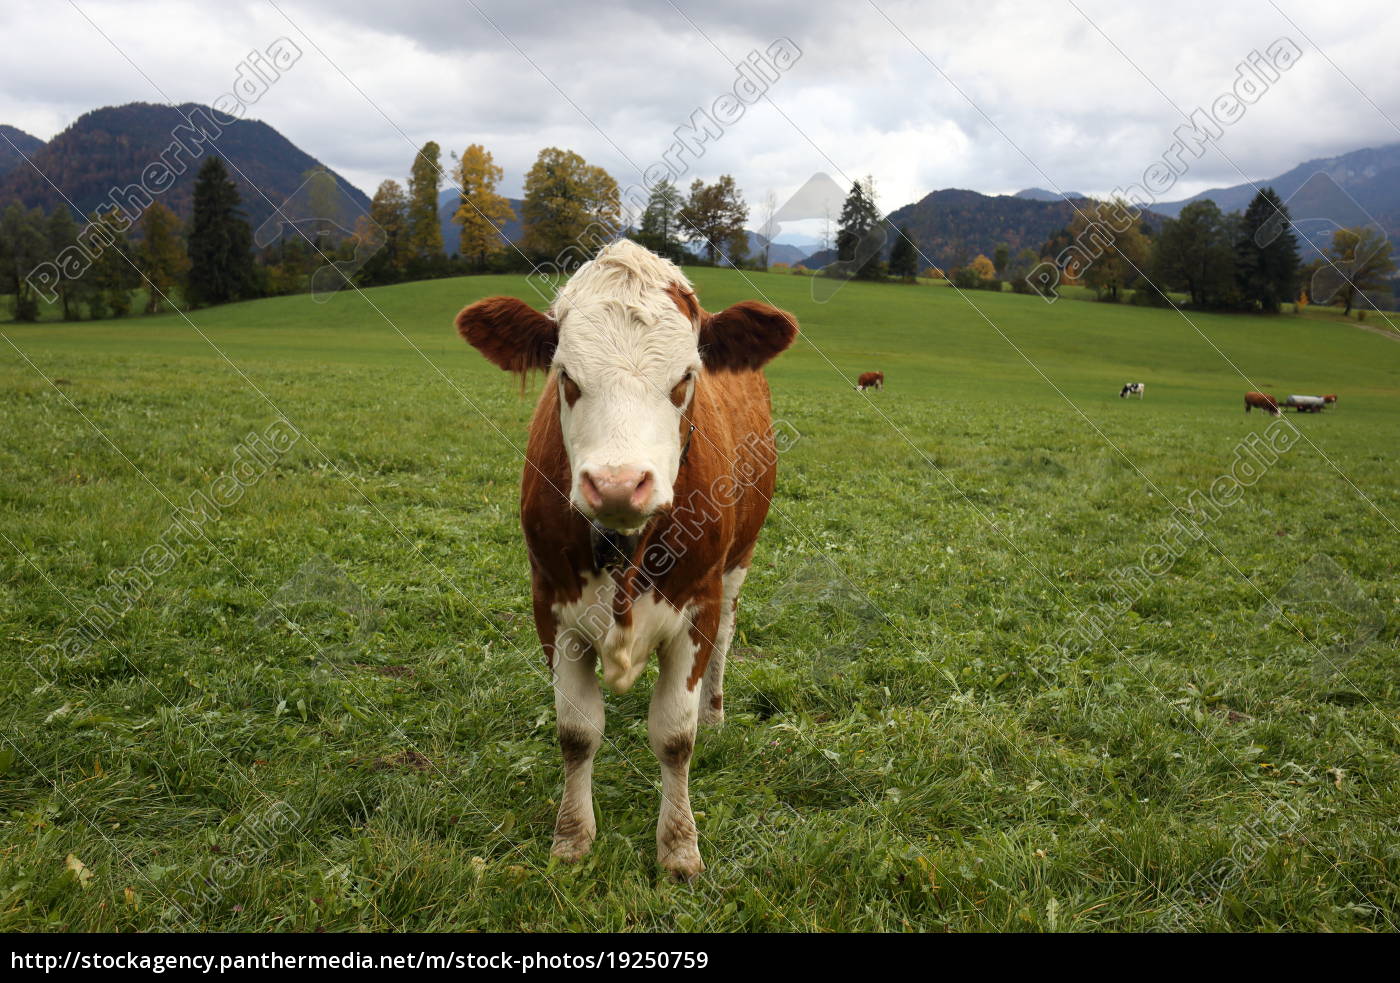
<point x="1133" y="389"/>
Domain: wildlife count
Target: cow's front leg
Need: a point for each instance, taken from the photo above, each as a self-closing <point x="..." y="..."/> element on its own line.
<point x="675" y="704"/>
<point x="578" y="707"/>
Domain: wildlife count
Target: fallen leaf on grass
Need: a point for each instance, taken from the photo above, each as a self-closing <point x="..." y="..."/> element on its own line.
<point x="81" y="872"/>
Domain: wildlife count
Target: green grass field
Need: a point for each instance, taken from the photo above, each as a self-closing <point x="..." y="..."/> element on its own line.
<point x="330" y="711"/>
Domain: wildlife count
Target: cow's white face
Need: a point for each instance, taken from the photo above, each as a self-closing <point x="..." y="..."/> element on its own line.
<point x="626" y="344"/>
<point x="626" y="375"/>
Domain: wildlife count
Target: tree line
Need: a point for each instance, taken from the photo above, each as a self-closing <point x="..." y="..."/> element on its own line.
<point x="1236" y="261"/>
<point x="570" y="208"/>
<point x="97" y="268"/>
<point x="1226" y="262"/>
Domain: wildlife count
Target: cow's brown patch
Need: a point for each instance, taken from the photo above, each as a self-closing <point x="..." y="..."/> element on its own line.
<point x="685" y="302"/>
<point x="575" y="746"/>
<point x="676" y="750"/>
<point x="571" y="390"/>
<point x="679" y="391"/>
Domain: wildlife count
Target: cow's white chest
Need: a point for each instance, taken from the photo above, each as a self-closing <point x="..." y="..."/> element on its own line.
<point x="588" y="622"/>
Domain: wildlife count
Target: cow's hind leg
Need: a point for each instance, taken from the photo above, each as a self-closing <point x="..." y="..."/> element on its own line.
<point x="578" y="707"/>
<point x="675" y="704"/>
<point x="712" y="689"/>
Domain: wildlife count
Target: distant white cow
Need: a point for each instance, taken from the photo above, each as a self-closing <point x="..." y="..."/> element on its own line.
<point x="1133" y="389"/>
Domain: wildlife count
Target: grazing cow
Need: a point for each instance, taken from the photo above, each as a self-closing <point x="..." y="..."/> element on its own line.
<point x="1330" y="398"/>
<point x="868" y="379"/>
<point x="1133" y="389"/>
<point x="1263" y="401"/>
<point x="648" y="473"/>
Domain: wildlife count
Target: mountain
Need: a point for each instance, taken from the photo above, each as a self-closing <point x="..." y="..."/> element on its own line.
<point x="106" y="151"/>
<point x="15" y="145"/>
<point x="1040" y="194"/>
<point x="953" y="226"/>
<point x="1357" y="188"/>
<point x="448" y="201"/>
<point x="778" y="252"/>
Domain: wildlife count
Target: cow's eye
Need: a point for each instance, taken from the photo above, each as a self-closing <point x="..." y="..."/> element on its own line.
<point x="678" y="390"/>
<point x="571" y="389"/>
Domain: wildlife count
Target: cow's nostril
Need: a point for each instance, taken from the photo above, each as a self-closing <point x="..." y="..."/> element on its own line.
<point x="642" y="491"/>
<point x="591" y="495"/>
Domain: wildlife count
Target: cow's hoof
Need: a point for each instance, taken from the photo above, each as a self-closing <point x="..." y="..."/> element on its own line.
<point x="683" y="864"/>
<point x="571" y="849"/>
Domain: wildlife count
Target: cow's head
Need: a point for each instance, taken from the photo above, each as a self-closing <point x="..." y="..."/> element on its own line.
<point x="627" y="344"/>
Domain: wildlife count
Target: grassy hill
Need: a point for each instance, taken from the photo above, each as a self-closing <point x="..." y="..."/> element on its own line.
<point x="348" y="645"/>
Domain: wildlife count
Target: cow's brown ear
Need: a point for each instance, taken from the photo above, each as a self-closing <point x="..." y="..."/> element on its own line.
<point x="510" y="333"/>
<point x="745" y="336"/>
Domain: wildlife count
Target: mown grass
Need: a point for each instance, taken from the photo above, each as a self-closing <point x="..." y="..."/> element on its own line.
<point x="905" y="748"/>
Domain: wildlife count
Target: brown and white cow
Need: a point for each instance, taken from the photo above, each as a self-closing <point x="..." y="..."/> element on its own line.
<point x="869" y="379"/>
<point x="1261" y="400"/>
<point x="649" y="469"/>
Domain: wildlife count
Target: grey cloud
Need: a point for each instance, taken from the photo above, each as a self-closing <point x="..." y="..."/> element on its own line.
<point x="869" y="99"/>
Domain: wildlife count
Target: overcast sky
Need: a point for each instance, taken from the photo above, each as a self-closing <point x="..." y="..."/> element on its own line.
<point x="914" y="94"/>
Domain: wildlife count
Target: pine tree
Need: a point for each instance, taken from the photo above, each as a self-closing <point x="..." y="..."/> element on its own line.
<point x="860" y="233"/>
<point x="220" y="242"/>
<point x="482" y="213"/>
<point x="1266" y="254"/>
<point x="904" y="257"/>
<point x="424" y="232"/>
<point x="660" y="226"/>
<point x="160" y="255"/>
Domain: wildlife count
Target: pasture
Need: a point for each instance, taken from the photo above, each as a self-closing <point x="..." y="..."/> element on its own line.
<point x="330" y="711"/>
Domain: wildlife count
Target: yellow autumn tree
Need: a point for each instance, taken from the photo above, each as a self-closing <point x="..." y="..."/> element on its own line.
<point x="482" y="213"/>
<point x="984" y="267"/>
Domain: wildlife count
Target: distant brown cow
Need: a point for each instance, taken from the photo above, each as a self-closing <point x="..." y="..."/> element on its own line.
<point x="1262" y="400"/>
<point x="1330" y="398"/>
<point x="868" y="379"/>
